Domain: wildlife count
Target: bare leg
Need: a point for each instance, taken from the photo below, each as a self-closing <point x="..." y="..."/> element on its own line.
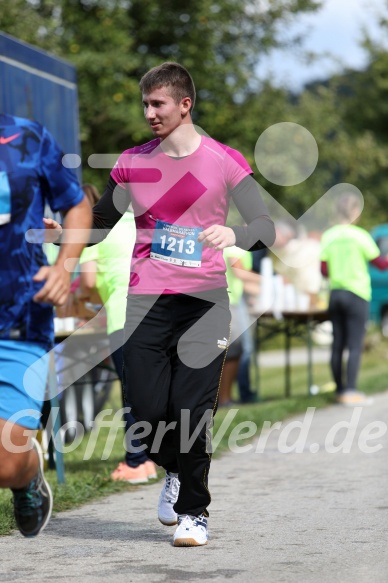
<point x="229" y="375"/>
<point x="18" y="462"/>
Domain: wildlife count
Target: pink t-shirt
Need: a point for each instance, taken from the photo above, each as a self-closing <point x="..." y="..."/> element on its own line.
<point x="172" y="200"/>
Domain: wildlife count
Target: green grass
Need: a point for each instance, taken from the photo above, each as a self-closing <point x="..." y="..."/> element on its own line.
<point x="89" y="479"/>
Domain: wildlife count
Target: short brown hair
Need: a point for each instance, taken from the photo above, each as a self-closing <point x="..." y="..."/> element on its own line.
<point x="348" y="204"/>
<point x="171" y="75"/>
<point x="91" y="193"/>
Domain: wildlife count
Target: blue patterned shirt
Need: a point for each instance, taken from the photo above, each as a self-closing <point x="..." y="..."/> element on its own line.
<point x="31" y="176"/>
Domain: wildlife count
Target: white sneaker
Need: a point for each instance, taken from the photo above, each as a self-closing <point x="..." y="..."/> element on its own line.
<point x="168" y="497"/>
<point x="191" y="531"/>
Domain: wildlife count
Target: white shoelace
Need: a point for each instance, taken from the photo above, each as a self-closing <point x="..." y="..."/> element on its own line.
<point x="187" y="522"/>
<point x="190" y="521"/>
<point x="172" y="488"/>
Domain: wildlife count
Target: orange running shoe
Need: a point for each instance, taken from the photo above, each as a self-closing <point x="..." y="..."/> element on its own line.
<point x="354" y="399"/>
<point x="132" y="475"/>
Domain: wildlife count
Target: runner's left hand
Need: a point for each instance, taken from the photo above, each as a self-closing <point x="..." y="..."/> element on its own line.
<point x="218" y="237"/>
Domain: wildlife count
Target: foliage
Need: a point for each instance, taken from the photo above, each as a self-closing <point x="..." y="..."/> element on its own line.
<point x="113" y="42"/>
<point x="367" y="114"/>
<point x="348" y="116"/>
<point x="344" y="156"/>
<point x="220" y="41"/>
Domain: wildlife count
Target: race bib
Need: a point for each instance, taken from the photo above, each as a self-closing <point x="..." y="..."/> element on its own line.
<point x="177" y="245"/>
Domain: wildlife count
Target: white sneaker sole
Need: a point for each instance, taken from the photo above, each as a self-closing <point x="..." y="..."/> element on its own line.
<point x="188" y="542"/>
<point x="168" y="522"/>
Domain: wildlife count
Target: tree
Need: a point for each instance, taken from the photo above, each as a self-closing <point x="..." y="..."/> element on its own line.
<point x="366" y="119"/>
<point x="344" y="155"/>
<point x="113" y="42"/>
<point x="221" y="42"/>
<point x="31" y="21"/>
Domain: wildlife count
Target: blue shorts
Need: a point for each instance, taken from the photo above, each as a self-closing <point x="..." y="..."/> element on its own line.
<point x="23" y="379"/>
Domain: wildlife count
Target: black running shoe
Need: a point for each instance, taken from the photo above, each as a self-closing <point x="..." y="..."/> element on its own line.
<point x="33" y="504"/>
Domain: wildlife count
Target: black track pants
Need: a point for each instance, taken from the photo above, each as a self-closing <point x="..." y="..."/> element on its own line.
<point x="349" y="315"/>
<point x="173" y="358"/>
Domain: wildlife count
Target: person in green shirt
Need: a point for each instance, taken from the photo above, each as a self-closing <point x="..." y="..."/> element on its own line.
<point x="345" y="253"/>
<point x="106" y="268"/>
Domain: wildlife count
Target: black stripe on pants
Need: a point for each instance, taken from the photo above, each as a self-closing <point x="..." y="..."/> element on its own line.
<point x="173" y="359"/>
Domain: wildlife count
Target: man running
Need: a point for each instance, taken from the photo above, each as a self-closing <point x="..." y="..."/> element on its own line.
<point x="177" y="322"/>
<point x="31" y="176"/>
